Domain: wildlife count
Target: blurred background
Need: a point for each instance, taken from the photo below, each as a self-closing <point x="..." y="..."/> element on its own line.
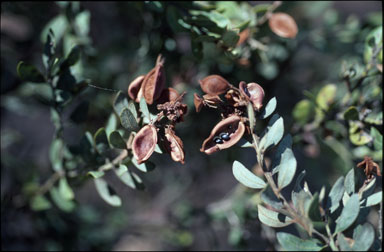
<point x="196" y="206"/>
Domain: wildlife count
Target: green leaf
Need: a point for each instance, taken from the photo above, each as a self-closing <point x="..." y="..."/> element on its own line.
<point x="374" y="199"/>
<point x="96" y="174"/>
<point x="343" y="243"/>
<point x="39" y="203"/>
<point x="128" y="120"/>
<point x="351" y="113"/>
<point x="286" y="143"/>
<point x="358" y="136"/>
<point x="269" y="197"/>
<point x="246" y="177"/>
<point x="56" y="154"/>
<point x="303" y="111"/>
<point x="272" y="218"/>
<point x="144" y="108"/>
<point x="230" y="38"/>
<point x="326" y="96"/>
<point x="349" y="182"/>
<point x="120" y="103"/>
<point x="58" y="24"/>
<point x="73" y="57"/>
<point x="300" y="198"/>
<point x="61" y="202"/>
<point x="377" y="138"/>
<point x="144" y="167"/>
<point x="292" y="243"/>
<point x="335" y="195"/>
<point x="117" y="140"/>
<point x="372" y="41"/>
<point x="101" y="140"/>
<point x="106" y="192"/>
<point x="129" y="178"/>
<point x="251" y="116"/>
<point x="29" y="73"/>
<point x="364" y="236"/>
<point x="273" y="133"/>
<point x="65" y="190"/>
<point x="82" y="22"/>
<point x="348" y="214"/>
<point x="269" y="108"/>
<point x="287" y="168"/>
<point x="111" y="124"/>
<point x="313" y="210"/>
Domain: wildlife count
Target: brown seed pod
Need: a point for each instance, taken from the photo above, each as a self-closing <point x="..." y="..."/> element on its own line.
<point x="198" y="101"/>
<point x="214" y="85"/>
<point x="154" y="81"/>
<point x="244" y="35"/>
<point x="224" y="135"/>
<point x="144" y="143"/>
<point x="135" y="90"/>
<point x="168" y="95"/>
<point x="174" y="146"/>
<point x="233" y="98"/>
<point x="253" y="92"/>
<point x="283" y="25"/>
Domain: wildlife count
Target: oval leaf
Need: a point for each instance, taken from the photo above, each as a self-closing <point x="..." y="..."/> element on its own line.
<point x="269" y="108"/>
<point x="364" y="236"/>
<point x="374" y="199"/>
<point x="287" y="168"/>
<point x="272" y="218"/>
<point x="29" y="73"/>
<point x="128" y="120"/>
<point x="65" y="190"/>
<point x="147" y="166"/>
<point x="348" y="214"/>
<point x="335" y="195"/>
<point x="130" y="179"/>
<point x="292" y="243"/>
<point x="273" y="133"/>
<point x="246" y="177"/>
<point x="106" y="192"/>
<point x="96" y="174"/>
<point x="116" y="140"/>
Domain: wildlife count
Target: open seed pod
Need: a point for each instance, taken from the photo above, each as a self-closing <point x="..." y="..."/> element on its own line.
<point x="198" y="101"/>
<point x="224" y="135"/>
<point x="135" y="90"/>
<point x="212" y="99"/>
<point x="174" y="146"/>
<point x="144" y="143"/>
<point x="168" y="95"/>
<point x="254" y="92"/>
<point x="233" y="97"/>
<point x="283" y="25"/>
<point x="214" y="85"/>
<point x="154" y="81"/>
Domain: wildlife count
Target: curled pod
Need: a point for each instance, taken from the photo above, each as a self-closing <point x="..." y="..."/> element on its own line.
<point x="232" y="127"/>
<point x="283" y="25"/>
<point x="253" y="92"/>
<point x="144" y="143"/>
<point x="174" y="146"/>
<point x="135" y="90"/>
<point x="153" y="83"/>
<point x="214" y="85"/>
<point x="168" y="95"/>
<point x="198" y="101"/>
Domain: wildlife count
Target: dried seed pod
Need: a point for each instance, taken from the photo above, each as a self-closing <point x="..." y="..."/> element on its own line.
<point x="233" y="98"/>
<point x="244" y="35"/>
<point x="233" y="126"/>
<point x="283" y="25"/>
<point x="198" y="101"/>
<point x="254" y="92"/>
<point x="135" y="90"/>
<point x="144" y="143"/>
<point x="212" y="99"/>
<point x="174" y="146"/>
<point x="168" y="95"/>
<point x="214" y="85"/>
<point x="154" y="81"/>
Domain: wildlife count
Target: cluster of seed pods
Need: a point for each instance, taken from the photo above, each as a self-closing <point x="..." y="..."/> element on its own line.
<point x="170" y="106"/>
<point x="234" y="121"/>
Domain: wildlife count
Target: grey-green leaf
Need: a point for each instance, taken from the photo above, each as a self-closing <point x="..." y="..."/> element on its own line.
<point x="272" y="218"/>
<point x="246" y="177"/>
<point x="374" y="199"/>
<point x="335" y="195"/>
<point x="377" y="138"/>
<point x="292" y="243"/>
<point x="117" y="140"/>
<point x="129" y="178"/>
<point x="29" y="73"/>
<point x="101" y="140"/>
<point x="144" y="167"/>
<point x="269" y="108"/>
<point x="251" y="116"/>
<point x="65" y="190"/>
<point x="348" y="214"/>
<point x="269" y="197"/>
<point x="349" y="182"/>
<point x="40" y="203"/>
<point x="106" y="192"/>
<point x="230" y="38"/>
<point x="144" y="108"/>
<point x="128" y="120"/>
<point x="364" y="236"/>
<point x="96" y="174"/>
<point x="273" y="133"/>
<point x="62" y="203"/>
<point x="287" y="168"/>
<point x="120" y="102"/>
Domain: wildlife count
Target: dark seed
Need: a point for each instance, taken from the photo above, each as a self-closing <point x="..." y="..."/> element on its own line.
<point x="247" y="92"/>
<point x="224" y="136"/>
<point x="218" y="140"/>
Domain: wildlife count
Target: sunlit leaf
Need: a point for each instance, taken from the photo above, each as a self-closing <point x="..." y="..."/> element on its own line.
<point x="128" y="120"/>
<point x="348" y="214"/>
<point x="272" y="218"/>
<point x="290" y="242"/>
<point x="106" y="192"/>
<point x="273" y="133"/>
<point x="269" y="108"/>
<point x="246" y="177"/>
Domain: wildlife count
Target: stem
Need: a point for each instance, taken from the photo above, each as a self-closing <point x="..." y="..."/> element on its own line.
<point x="331" y="241"/>
<point x="267" y="14"/>
<point x="49" y="183"/>
<point x="117" y="160"/>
